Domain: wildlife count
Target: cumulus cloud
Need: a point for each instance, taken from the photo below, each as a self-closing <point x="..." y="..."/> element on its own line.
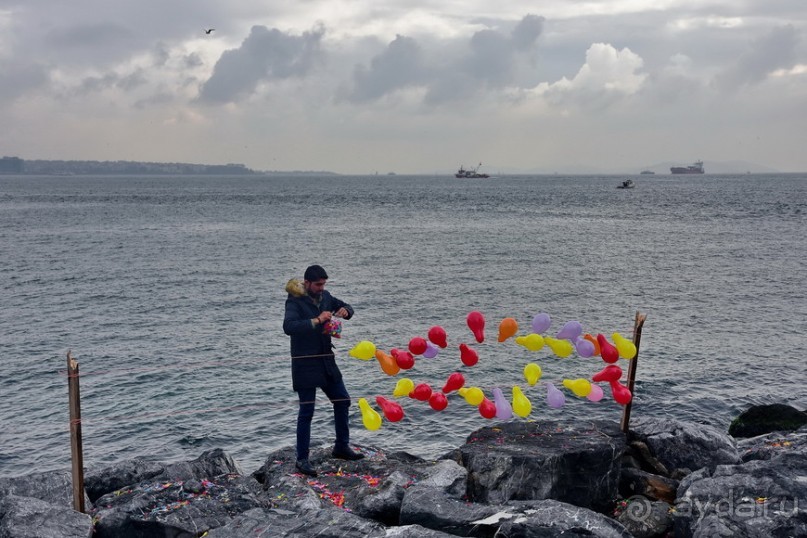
<point x="266" y="54"/>
<point x="400" y="65"/>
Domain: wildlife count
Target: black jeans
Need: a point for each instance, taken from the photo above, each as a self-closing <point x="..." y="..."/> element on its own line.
<point x="338" y="395"/>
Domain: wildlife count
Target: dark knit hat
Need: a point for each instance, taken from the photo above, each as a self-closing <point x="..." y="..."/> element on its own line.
<point x="315" y="272"/>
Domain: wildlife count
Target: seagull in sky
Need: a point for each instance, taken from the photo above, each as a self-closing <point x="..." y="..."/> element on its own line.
<point x="209" y="30"/>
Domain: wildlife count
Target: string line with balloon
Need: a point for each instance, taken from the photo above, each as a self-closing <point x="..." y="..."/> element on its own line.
<point x="607" y="376"/>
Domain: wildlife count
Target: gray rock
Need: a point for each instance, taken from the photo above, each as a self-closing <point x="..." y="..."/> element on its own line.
<point x="433" y="509"/>
<point x="55" y="487"/>
<point x="549" y="518"/>
<point x="679" y="444"/>
<point x="27" y="517"/>
<point x="332" y="523"/>
<point x="765" y="447"/>
<point x="575" y="462"/>
<point x="645" y="519"/>
<point x="761" y="419"/>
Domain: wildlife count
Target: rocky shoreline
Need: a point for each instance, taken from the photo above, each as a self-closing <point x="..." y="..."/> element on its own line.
<point x="510" y="479"/>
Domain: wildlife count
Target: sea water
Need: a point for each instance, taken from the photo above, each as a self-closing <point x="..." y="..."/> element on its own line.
<point x="169" y="293"/>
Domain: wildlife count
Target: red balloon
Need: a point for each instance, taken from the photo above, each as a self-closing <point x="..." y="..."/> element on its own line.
<point x="468" y="356"/>
<point x="392" y="410"/>
<point x="608" y="351"/>
<point x="612" y="372"/>
<point x="422" y="392"/>
<point x="455" y="382"/>
<point x="476" y="322"/>
<point x="417" y="345"/>
<point x="437" y="336"/>
<point x="404" y="359"/>
<point x="438" y="401"/>
<point x="620" y="392"/>
<point x="487" y="408"/>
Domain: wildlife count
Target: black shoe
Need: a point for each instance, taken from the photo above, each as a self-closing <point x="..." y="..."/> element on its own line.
<point x="346" y="453"/>
<point x="304" y="466"/>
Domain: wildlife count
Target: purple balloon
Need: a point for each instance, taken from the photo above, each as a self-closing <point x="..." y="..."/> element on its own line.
<point x="503" y="409"/>
<point x="584" y="347"/>
<point x="554" y="397"/>
<point x="431" y="351"/>
<point x="596" y="393"/>
<point x="541" y="322"/>
<point x="571" y="331"/>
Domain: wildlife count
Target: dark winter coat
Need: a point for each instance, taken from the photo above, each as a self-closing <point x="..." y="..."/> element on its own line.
<point x="312" y="359"/>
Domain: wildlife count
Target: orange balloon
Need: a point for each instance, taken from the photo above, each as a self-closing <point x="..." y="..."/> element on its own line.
<point x="388" y="363"/>
<point x="593" y="341"/>
<point x="507" y="328"/>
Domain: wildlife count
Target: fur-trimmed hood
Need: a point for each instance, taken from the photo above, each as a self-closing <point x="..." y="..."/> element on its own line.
<point x="295" y="287"/>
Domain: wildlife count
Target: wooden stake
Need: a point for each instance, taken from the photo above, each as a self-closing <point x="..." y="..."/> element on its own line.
<point x="77" y="452"/>
<point x="637" y="338"/>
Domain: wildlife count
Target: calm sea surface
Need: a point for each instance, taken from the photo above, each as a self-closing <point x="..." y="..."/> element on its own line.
<point x="169" y="292"/>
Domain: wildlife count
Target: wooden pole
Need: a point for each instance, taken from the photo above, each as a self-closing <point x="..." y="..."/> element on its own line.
<point x="637" y="338"/>
<point x="77" y="452"/>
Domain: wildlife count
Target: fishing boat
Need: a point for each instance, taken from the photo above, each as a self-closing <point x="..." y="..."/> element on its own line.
<point x="696" y="168"/>
<point x="470" y="173"/>
<point x="627" y="184"/>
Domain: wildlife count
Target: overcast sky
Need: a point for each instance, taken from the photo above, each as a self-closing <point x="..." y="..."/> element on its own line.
<point x="411" y="86"/>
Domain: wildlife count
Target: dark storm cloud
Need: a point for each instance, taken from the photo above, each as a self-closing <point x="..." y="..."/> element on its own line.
<point x="18" y="79"/>
<point x="488" y="60"/>
<point x="776" y="50"/>
<point x="264" y="55"/>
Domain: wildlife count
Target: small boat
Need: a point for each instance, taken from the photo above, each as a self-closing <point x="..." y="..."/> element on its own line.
<point x="696" y="168"/>
<point x="470" y="173"/>
<point x="647" y="173"/>
<point x="627" y="184"/>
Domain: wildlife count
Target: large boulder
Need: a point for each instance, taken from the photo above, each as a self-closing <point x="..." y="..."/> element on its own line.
<point x="26" y="517"/>
<point x="328" y="523"/>
<point x="759" y="498"/>
<point x="574" y="462"/>
<point x="685" y="445"/>
<point x="644" y="518"/>
<point x="54" y="487"/>
<point x="762" y="419"/>
<point x="551" y="518"/>
<point x="771" y="445"/>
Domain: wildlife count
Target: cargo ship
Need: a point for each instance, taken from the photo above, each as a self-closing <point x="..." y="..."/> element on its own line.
<point x="470" y="173"/>
<point x="696" y="168"/>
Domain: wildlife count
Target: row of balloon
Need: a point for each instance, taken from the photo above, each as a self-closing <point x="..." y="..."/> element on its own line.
<point x="569" y="338"/>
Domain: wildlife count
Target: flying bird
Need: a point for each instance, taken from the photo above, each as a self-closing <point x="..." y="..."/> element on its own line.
<point x="209" y="30"/>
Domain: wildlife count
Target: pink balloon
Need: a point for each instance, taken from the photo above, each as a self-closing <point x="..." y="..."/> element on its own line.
<point x="596" y="393"/>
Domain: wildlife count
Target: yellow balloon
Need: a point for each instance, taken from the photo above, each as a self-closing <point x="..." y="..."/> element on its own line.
<point x="532" y="373"/>
<point x="581" y="387"/>
<point x="472" y="395"/>
<point x="403" y="387"/>
<point x="626" y="348"/>
<point x="532" y="341"/>
<point x="560" y="347"/>
<point x="521" y="404"/>
<point x="369" y="416"/>
<point x="364" y="350"/>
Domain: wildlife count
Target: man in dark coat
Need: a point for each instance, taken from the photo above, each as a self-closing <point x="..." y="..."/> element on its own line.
<point x="313" y="363"/>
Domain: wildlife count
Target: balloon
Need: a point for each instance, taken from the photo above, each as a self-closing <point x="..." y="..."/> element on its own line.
<point x="503" y="409"/>
<point x="532" y="341"/>
<point x="364" y="350"/>
<point x="626" y="348"/>
<point x="521" y="404"/>
<point x="431" y="351"/>
<point x="561" y="348"/>
<point x="387" y="362"/>
<point x="554" y="397"/>
<point x="596" y="393"/>
<point x="584" y="347"/>
<point x="404" y="359"/>
<point x="468" y="356"/>
<point x="422" y="392"/>
<point x="580" y="387"/>
<point x="369" y="416"/>
<point x="487" y="408"/>
<point x="541" y="322"/>
<point x="607" y="351"/>
<point x="417" y="345"/>
<point x="532" y="373"/>
<point x="403" y="387"/>
<point x="392" y="410"/>
<point x="507" y="328"/>
<point x="620" y="393"/>
<point x="612" y="372"/>
<point x="472" y="395"/>
<point x="438" y="401"/>
<point x="593" y="342"/>
<point x="437" y="335"/>
<point x="476" y="322"/>
<point x="570" y="331"/>
<point x="454" y="382"/>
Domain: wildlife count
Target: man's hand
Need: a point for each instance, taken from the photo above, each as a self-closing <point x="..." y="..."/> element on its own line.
<point x="341" y="313"/>
<point x="324" y="317"/>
